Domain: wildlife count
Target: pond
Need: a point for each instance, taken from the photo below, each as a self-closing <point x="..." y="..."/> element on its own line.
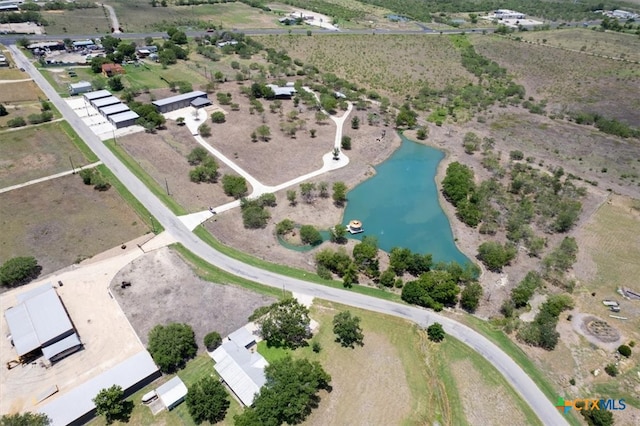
<point x="399" y="205"/>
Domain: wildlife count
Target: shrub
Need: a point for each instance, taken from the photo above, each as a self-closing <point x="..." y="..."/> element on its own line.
<point x="316" y="347"/>
<point x="204" y="130"/>
<point x="3" y="111"/>
<point x="611" y="370"/>
<point x="470" y="297"/>
<point x="218" y="117"/>
<point x="18" y="271"/>
<point x="435" y="332"/>
<point x="422" y="133"/>
<point x="16" y="122"/>
<point x="285" y="226"/>
<point x="310" y="235"/>
<point x="197" y="155"/>
<point x="624" y="350"/>
<point x="495" y="256"/>
<point x="212" y="340"/>
<point x="346" y="143"/>
<point x="234" y="186"/>
<point x="516" y="155"/>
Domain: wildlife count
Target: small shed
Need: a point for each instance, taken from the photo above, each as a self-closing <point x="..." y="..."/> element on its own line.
<point x="172" y="393"/>
<point x="80" y="87"/>
<point x="200" y="102"/>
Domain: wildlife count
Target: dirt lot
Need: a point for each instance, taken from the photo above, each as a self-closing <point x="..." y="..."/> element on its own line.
<point x="62" y="221"/>
<point x="19" y="92"/>
<point x="164" y="289"/>
<point x="103" y="329"/>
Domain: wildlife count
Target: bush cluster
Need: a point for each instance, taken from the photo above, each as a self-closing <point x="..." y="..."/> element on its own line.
<point x="542" y="331"/>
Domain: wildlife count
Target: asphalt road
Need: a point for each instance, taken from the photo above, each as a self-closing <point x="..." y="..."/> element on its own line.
<point x="531" y="394"/>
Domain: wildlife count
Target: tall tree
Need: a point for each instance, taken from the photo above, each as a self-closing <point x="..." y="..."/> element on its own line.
<point x="172" y="345"/>
<point x="207" y="401"/>
<point x="110" y="403"/>
<point x="25" y="419"/>
<point x="347" y="329"/>
<point x="19" y="270"/>
<point x="339" y="193"/>
<point x="286" y="324"/>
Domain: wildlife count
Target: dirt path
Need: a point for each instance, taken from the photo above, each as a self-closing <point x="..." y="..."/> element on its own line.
<point x="114" y="19"/>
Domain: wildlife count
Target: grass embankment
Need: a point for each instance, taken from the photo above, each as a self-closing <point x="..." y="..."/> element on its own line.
<point x="209" y="272"/>
<point x="196" y="369"/>
<point x="142" y="212"/>
<point x="149" y="182"/>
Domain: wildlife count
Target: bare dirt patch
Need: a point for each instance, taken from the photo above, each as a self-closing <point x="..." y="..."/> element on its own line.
<point x="62" y="221"/>
<point x="164" y="290"/>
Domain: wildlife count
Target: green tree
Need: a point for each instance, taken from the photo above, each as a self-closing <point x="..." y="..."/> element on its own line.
<point x="18" y="271"/>
<point x="111" y="404"/>
<point x="212" y="340"/>
<point x="284" y="227"/>
<point x="339" y="193"/>
<point x="347" y="329"/>
<point x="172" y="345"/>
<point x="207" y="401"/>
<point x="350" y="275"/>
<point x="388" y="278"/>
<point x="365" y="256"/>
<point x="16" y="122"/>
<point x="434" y="289"/>
<point x="197" y="155"/>
<point x="234" y="186"/>
<point x="291" y="197"/>
<point x="286" y="325"/>
<point x="435" y="332"/>
<point x="25" y="419"/>
<point x="310" y="235"/>
<point x="355" y="123"/>
<point x="400" y="259"/>
<point x="339" y="234"/>
<point x="495" y="256"/>
<point x="263" y="132"/>
<point x="218" y="117"/>
<point x="306" y="190"/>
<point x="422" y="133"/>
<point x="289" y="394"/>
<point x="598" y="417"/>
<point x="470" y="297"/>
<point x="204" y="130"/>
<point x="346" y="143"/>
<point x="521" y="294"/>
<point x="254" y="215"/>
<point x="624" y="350"/>
<point x="115" y="83"/>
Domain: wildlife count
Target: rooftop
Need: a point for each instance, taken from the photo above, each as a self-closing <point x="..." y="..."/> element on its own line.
<point x="181" y="97"/>
<point x="241" y="369"/>
<point x="97" y="94"/>
<point x="172" y="392"/>
<point x="123" y="116"/>
<point x="102" y="102"/>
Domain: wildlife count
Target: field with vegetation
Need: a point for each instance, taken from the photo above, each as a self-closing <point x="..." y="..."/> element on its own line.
<point x="393" y="66"/>
<point x="77" y="21"/>
<point x="569" y="81"/>
<point x="608" y="44"/>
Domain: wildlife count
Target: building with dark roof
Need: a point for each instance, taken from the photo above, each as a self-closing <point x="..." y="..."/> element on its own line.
<point x="124" y="119"/>
<point x="40" y="323"/>
<point x="179" y="101"/>
<point x="113" y="109"/>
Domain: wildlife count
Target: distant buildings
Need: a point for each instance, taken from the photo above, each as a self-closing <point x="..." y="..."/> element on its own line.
<point x="118" y="114"/>
<point x="109" y="70"/>
<point x="508" y="14"/>
<point x="621" y="14"/>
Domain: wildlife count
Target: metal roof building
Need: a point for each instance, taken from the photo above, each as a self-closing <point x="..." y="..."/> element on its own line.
<point x="113" y="109"/>
<point x="80" y="87"/>
<point x="242" y="337"/>
<point x="282" y="92"/>
<point x="76" y="407"/>
<point x="103" y="102"/>
<point x="172" y="393"/>
<point x="241" y="369"/>
<point x="40" y="321"/>
<point x="97" y="95"/>
<point x="178" y="101"/>
<point x="124" y="119"/>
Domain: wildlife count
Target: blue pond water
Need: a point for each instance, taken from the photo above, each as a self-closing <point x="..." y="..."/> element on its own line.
<point x="399" y="205"/>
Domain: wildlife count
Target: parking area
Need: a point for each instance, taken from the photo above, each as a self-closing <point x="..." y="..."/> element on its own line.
<point x="103" y="329"/>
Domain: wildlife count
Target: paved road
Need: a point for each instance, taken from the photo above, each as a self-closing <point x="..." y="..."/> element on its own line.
<point x="531" y="394"/>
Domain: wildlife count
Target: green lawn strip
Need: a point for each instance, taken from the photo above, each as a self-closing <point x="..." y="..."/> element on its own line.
<point x="209" y="272"/>
<point x="612" y="390"/>
<point x="150" y="183"/>
<point x="287" y="270"/>
<point x="448" y="393"/>
<point x="133" y="202"/>
<point x="516" y="354"/>
<point x="457" y="351"/>
<point x="272" y="354"/>
<point x="48" y="75"/>
<point x="78" y="142"/>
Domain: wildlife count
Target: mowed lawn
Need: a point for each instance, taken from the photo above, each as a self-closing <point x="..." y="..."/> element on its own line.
<point x="392" y="65"/>
<point x="399" y="377"/>
<point x="35" y="152"/>
<point x="62" y="221"/>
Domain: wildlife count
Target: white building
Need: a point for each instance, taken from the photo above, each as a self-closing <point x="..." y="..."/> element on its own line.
<point x="508" y="14"/>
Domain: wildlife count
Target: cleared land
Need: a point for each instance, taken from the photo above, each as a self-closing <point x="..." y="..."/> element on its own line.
<point x="19" y="92"/>
<point x="35" y="152"/>
<point x="570" y="81"/>
<point x="164" y="289"/>
<point x="62" y="221"/>
<point x="393" y="65"/>
<point x="78" y="21"/>
<point x="609" y="44"/>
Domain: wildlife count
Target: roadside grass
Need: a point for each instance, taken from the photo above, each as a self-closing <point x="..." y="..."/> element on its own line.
<point x="150" y="183"/>
<point x="395" y="65"/>
<point x="211" y="273"/>
<point x="61" y="80"/>
<point x="77" y="21"/>
<point x="503" y="341"/>
<point x="492" y="380"/>
<point x="611" y="44"/>
<point x="142" y="212"/>
<point x="196" y="369"/>
<point x="287" y="270"/>
<point x="20" y="92"/>
<point x="78" y="142"/>
<point x="37" y="151"/>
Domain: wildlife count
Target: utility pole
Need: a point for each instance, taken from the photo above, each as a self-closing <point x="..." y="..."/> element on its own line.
<point x="166" y="184"/>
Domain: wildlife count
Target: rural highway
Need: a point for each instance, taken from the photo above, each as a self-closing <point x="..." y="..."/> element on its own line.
<point x="522" y="383"/>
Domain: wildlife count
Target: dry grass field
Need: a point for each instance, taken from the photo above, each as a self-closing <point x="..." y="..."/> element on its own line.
<point x="392" y="65"/>
<point x="22" y="91"/>
<point x="35" y="152"/>
<point x="611" y="44"/>
<point x="62" y="221"/>
<point x="78" y="21"/>
<point x="569" y="80"/>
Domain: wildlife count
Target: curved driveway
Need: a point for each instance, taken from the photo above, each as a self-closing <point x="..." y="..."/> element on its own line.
<point x="531" y="394"/>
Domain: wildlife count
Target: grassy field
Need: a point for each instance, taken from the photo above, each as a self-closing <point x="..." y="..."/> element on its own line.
<point x="11" y="73"/>
<point x="569" y="80"/>
<point x="413" y="375"/>
<point x="36" y="152"/>
<point x="59" y="77"/>
<point x="611" y="44"/>
<point x="19" y="92"/>
<point x="196" y="369"/>
<point x="151" y="76"/>
<point x="393" y="65"/>
<point x="62" y="221"/>
<point x="78" y="21"/>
